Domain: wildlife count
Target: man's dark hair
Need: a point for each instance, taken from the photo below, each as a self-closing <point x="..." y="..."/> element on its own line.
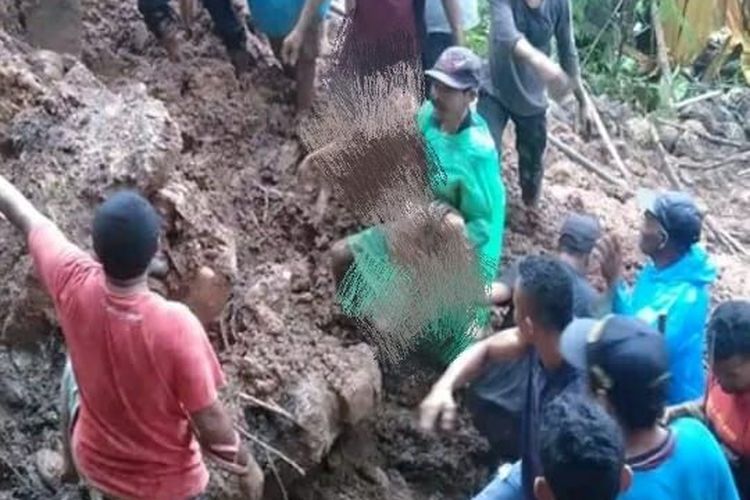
<point x="126" y="235"/>
<point x="729" y="330"/>
<point x="639" y="409"/>
<point x="549" y="286"/>
<point x="581" y="449"/>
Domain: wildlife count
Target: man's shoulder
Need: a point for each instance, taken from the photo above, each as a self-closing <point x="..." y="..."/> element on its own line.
<point x="482" y="143"/>
<point x="691" y="434"/>
<point x="172" y="317"/>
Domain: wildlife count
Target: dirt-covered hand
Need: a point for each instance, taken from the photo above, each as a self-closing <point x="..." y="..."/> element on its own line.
<point x="251" y="483"/>
<point x="454" y="221"/>
<point x="438" y="408"/>
<point x="609" y="251"/>
<point x="585" y="119"/>
<point x="558" y="82"/>
<point x="291" y="48"/>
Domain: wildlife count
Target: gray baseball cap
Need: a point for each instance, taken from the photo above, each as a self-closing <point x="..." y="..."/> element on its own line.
<point x="581" y="232"/>
<point x="458" y="68"/>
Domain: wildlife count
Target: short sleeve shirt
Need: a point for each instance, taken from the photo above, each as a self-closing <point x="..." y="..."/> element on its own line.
<point x="277" y="18"/>
<point x="514" y="82"/>
<point x="689" y="466"/>
<point x="142" y="364"/>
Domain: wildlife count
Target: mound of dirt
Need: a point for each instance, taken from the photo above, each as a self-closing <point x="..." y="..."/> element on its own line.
<point x="83" y="139"/>
<point x="219" y="158"/>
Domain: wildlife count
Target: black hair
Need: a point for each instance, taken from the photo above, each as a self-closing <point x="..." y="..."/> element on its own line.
<point x="549" y="286"/>
<point x="638" y="408"/>
<point x="680" y="243"/>
<point x="581" y="449"/>
<point x="729" y="330"/>
<point x="125" y="234"/>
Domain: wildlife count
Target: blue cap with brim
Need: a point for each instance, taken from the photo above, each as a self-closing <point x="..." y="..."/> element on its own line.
<point x="582" y="232"/>
<point x="627" y="355"/>
<point x="675" y="211"/>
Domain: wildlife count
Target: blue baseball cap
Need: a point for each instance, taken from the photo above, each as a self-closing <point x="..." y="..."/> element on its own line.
<point x="675" y="211"/>
<point x="621" y="355"/>
<point x="580" y="232"/>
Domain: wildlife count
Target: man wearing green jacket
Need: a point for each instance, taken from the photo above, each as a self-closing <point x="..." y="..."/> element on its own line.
<point x="468" y="191"/>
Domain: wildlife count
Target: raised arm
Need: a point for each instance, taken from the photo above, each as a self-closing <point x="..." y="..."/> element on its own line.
<point x="512" y="43"/>
<point x="452" y="10"/>
<point x="440" y="404"/>
<point x="17" y="209"/>
<point x="293" y="42"/>
<point x="567" y="52"/>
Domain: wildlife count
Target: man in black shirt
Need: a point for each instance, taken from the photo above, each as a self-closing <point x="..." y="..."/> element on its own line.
<point x="496" y="398"/>
<point x="543" y="308"/>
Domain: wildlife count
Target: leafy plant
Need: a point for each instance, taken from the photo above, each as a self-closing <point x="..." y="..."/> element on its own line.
<point x="478" y="37"/>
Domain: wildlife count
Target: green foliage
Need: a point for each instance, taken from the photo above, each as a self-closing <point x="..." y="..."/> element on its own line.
<point x="599" y="37"/>
<point x="610" y="71"/>
<point x="478" y="38"/>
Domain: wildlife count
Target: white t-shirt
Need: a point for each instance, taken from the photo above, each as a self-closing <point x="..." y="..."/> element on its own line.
<point x="437" y="21"/>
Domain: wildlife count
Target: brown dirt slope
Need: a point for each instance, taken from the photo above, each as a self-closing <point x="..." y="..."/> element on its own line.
<point x="219" y="157"/>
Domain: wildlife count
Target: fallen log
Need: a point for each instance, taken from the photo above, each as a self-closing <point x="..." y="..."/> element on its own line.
<point x="606" y="137"/>
<point x="705" y="135"/>
<point x="584" y="162"/>
<point x="742" y="156"/>
<point x="702" y="97"/>
<point x="662" y="54"/>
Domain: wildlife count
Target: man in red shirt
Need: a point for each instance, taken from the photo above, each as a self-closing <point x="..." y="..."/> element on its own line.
<point x="726" y="408"/>
<point x="140" y="389"/>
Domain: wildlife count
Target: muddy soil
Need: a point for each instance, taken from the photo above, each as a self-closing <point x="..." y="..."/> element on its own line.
<point x="280" y="337"/>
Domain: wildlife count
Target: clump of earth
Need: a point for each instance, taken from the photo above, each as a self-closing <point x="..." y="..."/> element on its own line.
<point x="219" y="157"/>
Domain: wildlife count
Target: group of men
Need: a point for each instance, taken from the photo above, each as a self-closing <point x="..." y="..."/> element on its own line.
<point x="609" y="389"/>
<point x="610" y="398"/>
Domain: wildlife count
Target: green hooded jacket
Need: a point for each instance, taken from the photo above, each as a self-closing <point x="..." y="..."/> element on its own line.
<point x="469" y="180"/>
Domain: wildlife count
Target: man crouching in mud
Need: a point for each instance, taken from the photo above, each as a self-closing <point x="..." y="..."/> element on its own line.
<point x="161" y="20"/>
<point x="468" y="192"/>
<point x="139" y="390"/>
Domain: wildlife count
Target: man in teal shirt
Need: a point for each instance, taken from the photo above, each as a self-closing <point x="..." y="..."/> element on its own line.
<point x="467" y="187"/>
<point x="672" y="291"/>
<point x="626" y="362"/>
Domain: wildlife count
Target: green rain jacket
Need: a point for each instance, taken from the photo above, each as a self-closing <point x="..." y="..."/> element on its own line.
<point x="469" y="180"/>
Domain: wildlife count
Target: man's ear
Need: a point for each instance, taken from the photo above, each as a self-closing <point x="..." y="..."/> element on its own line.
<point x="542" y="490"/>
<point x="626" y="478"/>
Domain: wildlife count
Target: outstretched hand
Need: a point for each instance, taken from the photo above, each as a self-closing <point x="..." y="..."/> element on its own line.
<point x="251" y="483"/>
<point x="609" y="252"/>
<point x="291" y="48"/>
<point x="585" y="119"/>
<point x="439" y="407"/>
